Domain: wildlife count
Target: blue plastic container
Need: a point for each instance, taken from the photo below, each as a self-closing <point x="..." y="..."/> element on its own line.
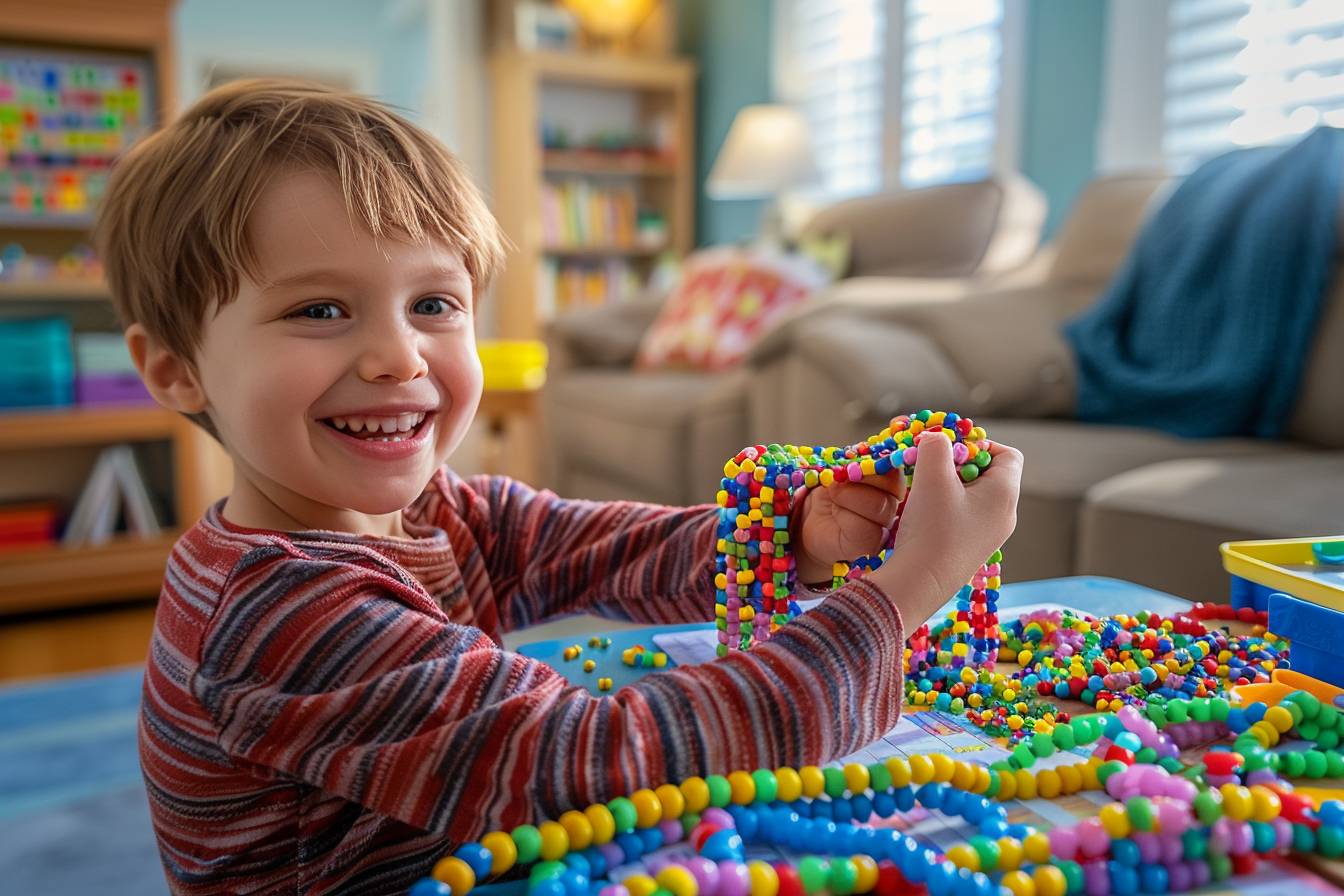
<point x="37" y="363"/>
<point x="1316" y="633"/>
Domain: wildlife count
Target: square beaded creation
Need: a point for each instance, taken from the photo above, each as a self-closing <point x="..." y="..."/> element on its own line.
<point x="755" y="572"/>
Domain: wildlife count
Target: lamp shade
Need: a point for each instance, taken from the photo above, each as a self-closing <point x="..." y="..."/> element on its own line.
<point x="611" y="18"/>
<point x="769" y="148"/>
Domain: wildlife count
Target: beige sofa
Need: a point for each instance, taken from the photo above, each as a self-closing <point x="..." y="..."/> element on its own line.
<point x="1126" y="502"/>
<point x="598" y="413"/>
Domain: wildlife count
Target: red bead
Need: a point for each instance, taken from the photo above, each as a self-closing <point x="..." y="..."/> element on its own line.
<point x="1220" y="763"/>
<point x="1245" y="863"/>
<point x="1115" y="751"/>
<point x="702" y="832"/>
<point x="791" y="885"/>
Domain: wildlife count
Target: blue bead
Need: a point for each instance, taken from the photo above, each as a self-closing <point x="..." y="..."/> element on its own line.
<point x="652" y="838"/>
<point x="862" y="807"/>
<point x="905" y="799"/>
<point x="1125" y="851"/>
<point x="428" y="886"/>
<point x="748" y="822"/>
<point x="841" y="810"/>
<point x="884" y="804"/>
<point x="550" y="887"/>
<point x="597" y="863"/>
<point x="994" y="827"/>
<point x="953" y="801"/>
<point x="941" y="877"/>
<point x="631" y="845"/>
<point x="1124" y="880"/>
<point x="1331" y="813"/>
<point x="722" y="846"/>
<point x="931" y="795"/>
<point x="477" y="857"/>
<point x="1236" y="720"/>
<point x="579" y="862"/>
<point x="575" y="884"/>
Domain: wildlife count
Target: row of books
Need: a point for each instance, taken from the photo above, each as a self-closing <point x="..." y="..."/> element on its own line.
<point x="566" y="284"/>
<point x="115" y="498"/>
<point x="575" y="212"/>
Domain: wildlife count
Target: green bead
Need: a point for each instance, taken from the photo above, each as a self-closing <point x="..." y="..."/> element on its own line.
<point x="1330" y="841"/>
<point x="624" y="812"/>
<point x="1255" y="755"/>
<point x="546" y="870"/>
<point x="1295" y="711"/>
<point x="1195" y="844"/>
<point x="1146" y="755"/>
<point x="1106" y="769"/>
<point x="1219" y="708"/>
<point x="878" y="777"/>
<point x="969" y="472"/>
<point x="1313" y="763"/>
<point x="1328" y="739"/>
<point x="1304" y="838"/>
<point x="1171" y="764"/>
<point x="766" y="785"/>
<point x="688" y="823"/>
<point x="835" y="782"/>
<point x="1262" y="836"/>
<point x="1292" y="764"/>
<point x="1326" y="716"/>
<point x="987" y="850"/>
<point x="1073" y="875"/>
<point x="1157" y="715"/>
<point x="1334" y="765"/>
<point x="1311" y="707"/>
<point x="1140" y="810"/>
<point x="1178" y="711"/>
<point x="842" y="878"/>
<point x="1208" y="807"/>
<point x="1023" y="755"/>
<point x="995" y="782"/>
<point x="720" y="791"/>
<point x="1063" y="738"/>
<point x="528" y="840"/>
<point x="1220" y="866"/>
<point x="1308" y="730"/>
<point x="1199" y="709"/>
<point x="813" y="872"/>
<point x="1042" y="745"/>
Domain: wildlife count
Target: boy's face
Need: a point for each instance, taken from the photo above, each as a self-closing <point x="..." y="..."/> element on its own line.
<point x="339" y="335"/>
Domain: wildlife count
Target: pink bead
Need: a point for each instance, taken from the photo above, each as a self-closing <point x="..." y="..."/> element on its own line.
<point x="718" y="817"/>
<point x="734" y="879"/>
<point x="1173" y="816"/>
<point x="614" y="890"/>
<point x="705" y="872"/>
<point x="1283" y="833"/>
<point x="1063" y="842"/>
<point x="854" y="471"/>
<point x="1241" y="838"/>
<point x="672" y="830"/>
<point x="723" y="637"/>
<point x="960" y="453"/>
<point x="1097" y="881"/>
<point x="1219" y="835"/>
<point x="1150" y="849"/>
<point x="1179" y="877"/>
<point x="1181" y="789"/>
<point x="1199" y="871"/>
<point x="1092" y="837"/>
<point x="1173" y="849"/>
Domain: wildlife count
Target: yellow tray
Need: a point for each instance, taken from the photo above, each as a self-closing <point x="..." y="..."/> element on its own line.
<point x="1286" y="565"/>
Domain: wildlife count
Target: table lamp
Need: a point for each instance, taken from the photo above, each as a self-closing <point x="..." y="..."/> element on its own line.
<point x="768" y="150"/>
<point x="612" y="21"/>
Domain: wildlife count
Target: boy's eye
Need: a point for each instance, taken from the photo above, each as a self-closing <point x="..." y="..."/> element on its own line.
<point x="319" y="311"/>
<point x="435" y="305"/>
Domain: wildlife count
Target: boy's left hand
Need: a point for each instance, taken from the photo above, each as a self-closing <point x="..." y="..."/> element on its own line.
<point x="844" y="521"/>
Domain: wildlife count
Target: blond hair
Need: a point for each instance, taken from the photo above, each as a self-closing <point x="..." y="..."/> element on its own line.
<point x="172" y="230"/>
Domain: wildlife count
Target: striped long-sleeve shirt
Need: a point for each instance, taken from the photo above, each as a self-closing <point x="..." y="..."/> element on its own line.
<point x="331" y="713"/>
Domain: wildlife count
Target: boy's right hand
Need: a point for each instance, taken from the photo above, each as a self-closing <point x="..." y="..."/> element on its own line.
<point x="949" y="528"/>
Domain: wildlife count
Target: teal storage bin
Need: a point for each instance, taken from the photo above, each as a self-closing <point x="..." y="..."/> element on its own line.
<point x="37" y="363"/>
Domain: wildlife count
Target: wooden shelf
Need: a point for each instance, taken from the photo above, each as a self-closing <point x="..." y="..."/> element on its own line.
<point x="53" y="577"/>
<point x="556" y="161"/>
<point x="42" y="290"/>
<point x="42" y="428"/>
<point x="603" y="251"/>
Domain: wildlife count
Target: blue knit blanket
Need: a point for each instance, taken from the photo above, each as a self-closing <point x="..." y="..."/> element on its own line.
<point x="1205" y="330"/>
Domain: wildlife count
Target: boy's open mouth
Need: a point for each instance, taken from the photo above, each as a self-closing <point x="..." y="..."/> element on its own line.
<point x="398" y="428"/>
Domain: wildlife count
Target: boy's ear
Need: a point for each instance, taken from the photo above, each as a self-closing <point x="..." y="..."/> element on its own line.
<point x="168" y="377"/>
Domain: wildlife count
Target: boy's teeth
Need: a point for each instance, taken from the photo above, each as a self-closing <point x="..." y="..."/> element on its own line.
<point x="401" y="423"/>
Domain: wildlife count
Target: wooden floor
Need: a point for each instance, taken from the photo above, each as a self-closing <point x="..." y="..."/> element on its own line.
<point x="74" y="642"/>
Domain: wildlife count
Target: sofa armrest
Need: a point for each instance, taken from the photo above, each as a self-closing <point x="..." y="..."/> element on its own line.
<point x="608" y="336"/>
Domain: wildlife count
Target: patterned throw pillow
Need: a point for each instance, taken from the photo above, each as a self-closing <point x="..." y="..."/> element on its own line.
<point x="726" y="299"/>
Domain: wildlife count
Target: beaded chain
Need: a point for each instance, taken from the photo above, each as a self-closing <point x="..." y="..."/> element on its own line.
<point x="755" y="570"/>
<point x="1171" y="827"/>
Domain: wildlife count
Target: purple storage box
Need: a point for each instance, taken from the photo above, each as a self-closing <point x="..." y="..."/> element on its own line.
<point x="110" y="388"/>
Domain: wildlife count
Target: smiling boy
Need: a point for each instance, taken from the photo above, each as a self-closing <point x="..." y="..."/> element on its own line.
<point x="327" y="707"/>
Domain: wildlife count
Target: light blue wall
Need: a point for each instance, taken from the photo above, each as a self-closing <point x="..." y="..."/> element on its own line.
<point x="730" y="42"/>
<point x="1061" y="97"/>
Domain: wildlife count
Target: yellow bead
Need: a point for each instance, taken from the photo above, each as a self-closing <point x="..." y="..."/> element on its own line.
<point x="1007" y="786"/>
<point x="981" y="779"/>
<point x="1280" y="718"/>
<point x="764" y="879"/>
<point x="1265" y="804"/>
<point x="856" y="778"/>
<point x="788" y="785"/>
<point x="1010" y="853"/>
<point x="604" y="825"/>
<point x="743" y="788"/>
<point x="456" y="873"/>
<point x="814" y="782"/>
<point x="648" y="811"/>
<point x="1237" y="803"/>
<point x="677" y="881"/>
<point x="554" y="841"/>
<point x="696" y="792"/>
<point x="1049" y="880"/>
<point x="963" y="775"/>
<point x="1036" y="847"/>
<point x="1088" y="770"/>
<point x="579" y="828"/>
<point x="1026" y="785"/>
<point x="503" y="851"/>
<point x="899" y="770"/>
<point x="1115" y="820"/>
<point x="640" y="885"/>
<point x="1070" y="779"/>
<point x="589" y="665"/>
<point x="1019" y="883"/>
<point x="1048" y="785"/>
<point x="964" y="856"/>
<point x="921" y="769"/>
<point x="671" y="801"/>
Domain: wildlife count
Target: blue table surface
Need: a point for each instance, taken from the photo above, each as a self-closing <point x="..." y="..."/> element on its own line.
<point x="1096" y="595"/>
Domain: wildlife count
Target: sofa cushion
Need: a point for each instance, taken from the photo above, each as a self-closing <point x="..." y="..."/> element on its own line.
<point x="1318" y="418"/>
<point x="1101" y="226"/>
<point x="660" y="437"/>
<point x="1160" y="525"/>
<point x="1063" y="460"/>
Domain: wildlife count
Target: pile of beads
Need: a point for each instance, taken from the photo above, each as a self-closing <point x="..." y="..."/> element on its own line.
<point x="572" y="652"/>
<point x="1171" y="828"/>
<point x="755" y="571"/>
<point x="640" y="658"/>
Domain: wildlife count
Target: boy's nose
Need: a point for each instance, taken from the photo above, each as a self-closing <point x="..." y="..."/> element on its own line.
<point x="389" y="357"/>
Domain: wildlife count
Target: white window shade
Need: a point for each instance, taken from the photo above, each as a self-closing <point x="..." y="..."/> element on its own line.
<point x="951" y="74"/>
<point x="1249" y="72"/>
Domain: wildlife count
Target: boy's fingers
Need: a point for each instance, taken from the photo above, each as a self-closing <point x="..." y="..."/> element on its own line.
<point x="858" y="535"/>
<point x="868" y="501"/>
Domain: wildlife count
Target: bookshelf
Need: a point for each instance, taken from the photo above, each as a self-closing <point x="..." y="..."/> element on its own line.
<point x="42" y="447"/>
<point x="588" y="219"/>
